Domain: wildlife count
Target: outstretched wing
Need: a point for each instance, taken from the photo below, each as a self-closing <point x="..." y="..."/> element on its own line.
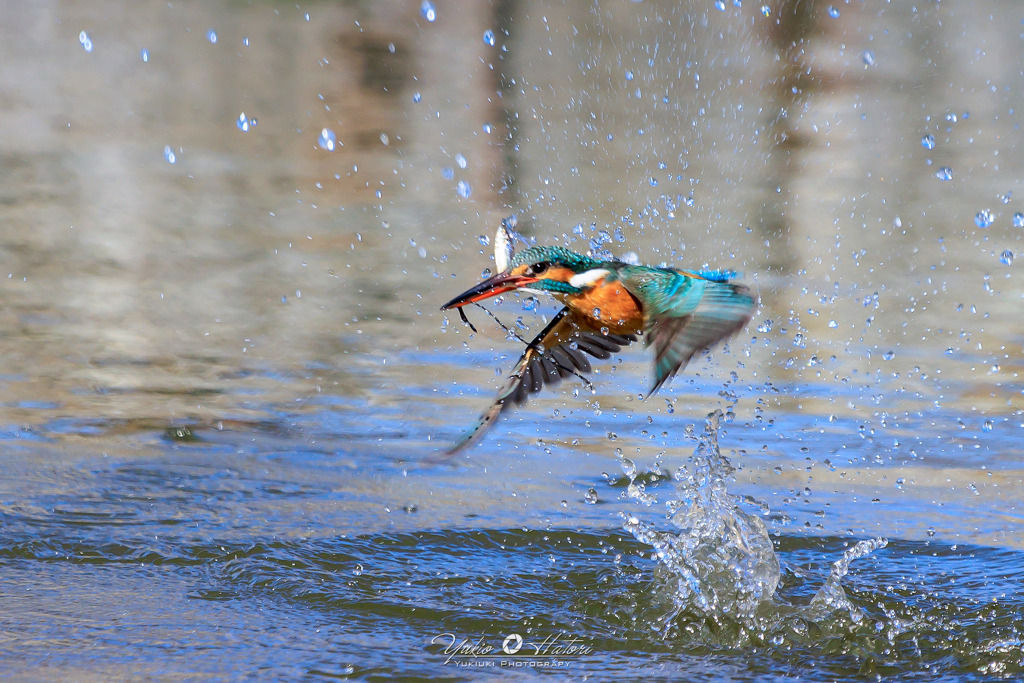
<point x="686" y="313"/>
<point x="560" y="350"/>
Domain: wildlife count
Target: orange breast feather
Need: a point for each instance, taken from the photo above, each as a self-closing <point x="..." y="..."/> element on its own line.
<point x="619" y="310"/>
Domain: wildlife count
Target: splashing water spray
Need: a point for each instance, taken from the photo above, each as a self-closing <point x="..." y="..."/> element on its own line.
<point x="719" y="560"/>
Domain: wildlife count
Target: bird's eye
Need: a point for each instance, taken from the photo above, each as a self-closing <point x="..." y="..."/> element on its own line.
<point x="537" y="268"/>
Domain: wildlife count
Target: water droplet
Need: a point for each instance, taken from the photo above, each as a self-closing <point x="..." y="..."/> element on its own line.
<point x="590" y="497"/>
<point x="833" y="12"/>
<point x="384" y="139"/>
<point x="416" y="97"/>
<point x="596" y="312"/>
<point x="484" y="240"/>
<point x="928" y="141"/>
<point x="428" y="10"/>
<point x="987" y="426"/>
<point x="833" y="324"/>
<point x="243" y="122"/>
<point x="944" y="173"/>
<point x="487" y="128"/>
<point x="868" y="58"/>
<point x="1005" y="198"/>
<point x="245" y="41"/>
<point x="984" y="218"/>
<point x="889" y="355"/>
<point x="447" y="172"/>
<point x="766" y="11"/>
<point x="169" y="154"/>
<point x="629" y="75"/>
<point x="211" y="36"/>
<point x="485" y="273"/>
<point x="720" y="5"/>
<point x="1006" y="257"/>
<point x="327" y="140"/>
<point x="654" y="182"/>
<point x="1018" y="220"/>
<point x="464" y="189"/>
<point x="530" y="303"/>
<point x="85" y="40"/>
<point x="357" y="570"/>
<point x="144" y="54"/>
<point x="460" y="161"/>
<point x="489" y="37"/>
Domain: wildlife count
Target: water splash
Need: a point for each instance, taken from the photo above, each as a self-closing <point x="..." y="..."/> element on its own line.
<point x="245" y="123"/>
<point x="328" y="140"/>
<point x="720" y="563"/>
<point x="428" y="11"/>
<point x="723" y="562"/>
<point x="831" y="597"/>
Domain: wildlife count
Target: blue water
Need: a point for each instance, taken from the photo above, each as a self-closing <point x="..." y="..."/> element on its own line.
<point x="227" y="385"/>
<point x="222" y="547"/>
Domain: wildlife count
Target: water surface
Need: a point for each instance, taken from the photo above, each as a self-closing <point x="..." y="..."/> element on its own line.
<point x="227" y="383"/>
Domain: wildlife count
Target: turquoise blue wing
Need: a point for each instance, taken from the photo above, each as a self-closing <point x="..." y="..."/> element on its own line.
<point x="686" y="313"/>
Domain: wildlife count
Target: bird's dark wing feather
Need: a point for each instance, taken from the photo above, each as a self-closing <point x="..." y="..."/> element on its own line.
<point x="559" y="351"/>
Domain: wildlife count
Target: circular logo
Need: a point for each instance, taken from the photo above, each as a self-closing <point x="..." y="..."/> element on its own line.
<point x="513" y="643"/>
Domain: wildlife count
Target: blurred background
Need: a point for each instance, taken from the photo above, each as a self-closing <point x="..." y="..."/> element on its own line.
<point x="228" y="228"/>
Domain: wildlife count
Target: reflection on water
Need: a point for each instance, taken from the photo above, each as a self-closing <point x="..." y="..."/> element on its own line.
<point x="226" y="379"/>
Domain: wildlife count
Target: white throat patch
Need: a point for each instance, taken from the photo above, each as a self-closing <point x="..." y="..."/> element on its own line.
<point x="581" y="280"/>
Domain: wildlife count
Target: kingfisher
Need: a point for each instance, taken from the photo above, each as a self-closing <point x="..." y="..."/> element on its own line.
<point x="607" y="305"/>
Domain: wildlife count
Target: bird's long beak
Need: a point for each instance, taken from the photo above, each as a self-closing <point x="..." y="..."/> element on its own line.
<point x="492" y="286"/>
